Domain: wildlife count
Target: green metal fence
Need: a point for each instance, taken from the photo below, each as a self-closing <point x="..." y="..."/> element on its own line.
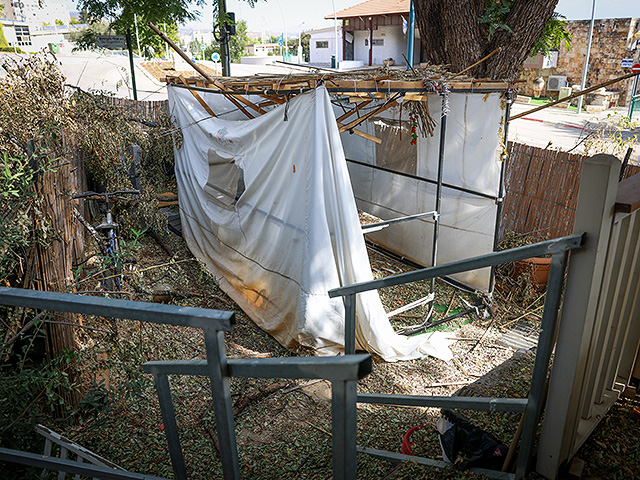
<point x="634" y="111"/>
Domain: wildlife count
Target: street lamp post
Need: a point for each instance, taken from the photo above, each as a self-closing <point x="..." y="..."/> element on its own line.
<point x="335" y="33"/>
<point x="284" y="34"/>
<point x="586" y="58"/>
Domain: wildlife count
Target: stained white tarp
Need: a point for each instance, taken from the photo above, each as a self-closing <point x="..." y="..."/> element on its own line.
<point x="267" y="204"/>
<point x="471" y="161"/>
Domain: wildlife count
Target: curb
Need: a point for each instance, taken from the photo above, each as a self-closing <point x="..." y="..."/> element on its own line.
<point x="559" y="124"/>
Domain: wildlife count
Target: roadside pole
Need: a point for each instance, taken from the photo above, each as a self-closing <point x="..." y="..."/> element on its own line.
<point x="634" y="91"/>
<point x="133" y="73"/>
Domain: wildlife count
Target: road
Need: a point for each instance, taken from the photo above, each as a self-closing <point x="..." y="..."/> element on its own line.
<point x="564" y="129"/>
<point x="92" y="71"/>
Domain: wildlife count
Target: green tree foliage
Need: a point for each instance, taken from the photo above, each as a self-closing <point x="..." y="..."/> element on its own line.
<point x="293" y="43"/>
<point x="3" y="39"/>
<point x="85" y="38"/>
<point x="149" y="38"/>
<point x="122" y="15"/>
<point x="237" y="44"/>
<point x="121" y="12"/>
<point x="553" y="36"/>
<point x="59" y="22"/>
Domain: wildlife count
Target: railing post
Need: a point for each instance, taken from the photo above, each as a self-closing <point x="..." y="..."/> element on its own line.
<point x="536" y="397"/>
<point x="221" y="392"/>
<point x="349" y="324"/>
<point x="170" y="426"/>
<point x="344" y="413"/>
<point x="594" y="215"/>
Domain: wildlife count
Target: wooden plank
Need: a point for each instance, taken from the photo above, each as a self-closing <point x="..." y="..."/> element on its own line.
<point x="362" y="134"/>
<point x="351" y="112"/>
<point x="628" y="198"/>
<point x="391" y="103"/>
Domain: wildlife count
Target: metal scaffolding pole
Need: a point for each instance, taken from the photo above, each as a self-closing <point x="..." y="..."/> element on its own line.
<point x="436" y="215"/>
<point x="500" y="199"/>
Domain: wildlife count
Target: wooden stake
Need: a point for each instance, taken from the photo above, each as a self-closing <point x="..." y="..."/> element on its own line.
<point x="477" y="63"/>
<point x="576" y="95"/>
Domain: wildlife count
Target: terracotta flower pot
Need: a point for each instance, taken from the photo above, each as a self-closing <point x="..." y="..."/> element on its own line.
<point x="536" y="268"/>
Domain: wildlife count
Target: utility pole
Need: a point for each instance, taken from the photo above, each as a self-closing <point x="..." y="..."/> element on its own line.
<point x="411" y="27"/>
<point x="135" y="19"/>
<point x="133" y="72"/>
<point x="224" y="39"/>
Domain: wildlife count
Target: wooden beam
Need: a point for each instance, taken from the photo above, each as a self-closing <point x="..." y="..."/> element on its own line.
<point x="236" y="100"/>
<point x="362" y="134"/>
<point x="391" y="103"/>
<point x="351" y="112"/>
<point x="575" y="95"/>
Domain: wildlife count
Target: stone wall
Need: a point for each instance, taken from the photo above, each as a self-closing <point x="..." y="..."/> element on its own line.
<point x="611" y="41"/>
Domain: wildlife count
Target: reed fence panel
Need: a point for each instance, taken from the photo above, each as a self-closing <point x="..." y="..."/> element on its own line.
<point x="542" y="190"/>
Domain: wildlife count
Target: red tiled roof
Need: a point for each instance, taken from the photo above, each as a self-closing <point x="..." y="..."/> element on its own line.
<point x="373" y="7"/>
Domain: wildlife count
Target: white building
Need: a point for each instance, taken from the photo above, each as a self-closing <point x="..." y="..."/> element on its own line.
<point x="263" y="49"/>
<point x="370" y="33"/>
<point x="17" y="33"/>
<point x="322" y="45"/>
<point x="34" y="15"/>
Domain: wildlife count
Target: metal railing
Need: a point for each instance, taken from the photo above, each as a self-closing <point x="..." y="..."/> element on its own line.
<point x="531" y="406"/>
<point x="343" y="372"/>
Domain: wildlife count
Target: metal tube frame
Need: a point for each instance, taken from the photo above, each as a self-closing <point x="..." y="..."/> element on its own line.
<point x="500" y="199"/>
<point x="343" y="372"/>
<point x="532" y="405"/>
<point x="438" y="206"/>
<point x="70" y="466"/>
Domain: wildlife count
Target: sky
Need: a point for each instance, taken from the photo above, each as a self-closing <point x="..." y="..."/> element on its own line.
<point x="296" y="15"/>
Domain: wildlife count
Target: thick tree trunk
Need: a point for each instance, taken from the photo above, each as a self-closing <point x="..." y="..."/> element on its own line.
<point x="451" y="35"/>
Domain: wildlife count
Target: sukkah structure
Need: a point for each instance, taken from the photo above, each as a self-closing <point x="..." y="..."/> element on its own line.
<point x="375" y="109"/>
<point x="395" y="128"/>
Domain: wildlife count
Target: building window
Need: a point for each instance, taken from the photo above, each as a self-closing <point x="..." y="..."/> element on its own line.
<point x="322" y="44"/>
<point x="377" y="42"/>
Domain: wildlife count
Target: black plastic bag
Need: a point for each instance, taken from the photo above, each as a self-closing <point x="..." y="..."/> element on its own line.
<point x="459" y="437"/>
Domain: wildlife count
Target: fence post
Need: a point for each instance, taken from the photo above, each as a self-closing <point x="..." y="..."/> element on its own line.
<point x="170" y="426"/>
<point x="344" y="412"/>
<point x="594" y="215"/>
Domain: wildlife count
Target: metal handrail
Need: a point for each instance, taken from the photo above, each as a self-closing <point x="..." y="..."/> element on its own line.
<point x="548" y="247"/>
<point x="531" y="406"/>
<point x="343" y="372"/>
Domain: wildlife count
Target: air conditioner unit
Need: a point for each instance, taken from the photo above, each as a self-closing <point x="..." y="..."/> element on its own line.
<point x="556" y="82"/>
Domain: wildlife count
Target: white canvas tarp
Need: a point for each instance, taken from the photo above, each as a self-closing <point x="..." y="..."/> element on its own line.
<point x="267" y="204"/>
<point x="472" y="160"/>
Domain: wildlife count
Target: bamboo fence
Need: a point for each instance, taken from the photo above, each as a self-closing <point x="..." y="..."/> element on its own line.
<point x="150" y="110"/>
<point x="542" y="191"/>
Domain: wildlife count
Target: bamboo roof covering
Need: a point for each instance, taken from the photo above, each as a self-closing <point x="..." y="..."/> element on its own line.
<point x="359" y="87"/>
<point x="376" y="83"/>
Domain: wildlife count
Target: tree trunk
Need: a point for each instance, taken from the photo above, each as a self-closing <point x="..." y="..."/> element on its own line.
<point x="452" y="35"/>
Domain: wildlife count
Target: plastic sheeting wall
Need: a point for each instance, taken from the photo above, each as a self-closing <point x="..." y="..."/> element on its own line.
<point x="473" y="139"/>
<point x="267" y="204"/>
